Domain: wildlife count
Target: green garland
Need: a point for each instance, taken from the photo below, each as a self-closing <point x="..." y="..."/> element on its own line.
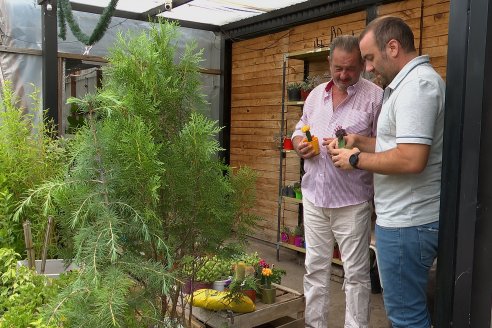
<point x="65" y="15"/>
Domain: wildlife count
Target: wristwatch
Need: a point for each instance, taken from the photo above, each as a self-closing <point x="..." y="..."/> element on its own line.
<point x="354" y="160"/>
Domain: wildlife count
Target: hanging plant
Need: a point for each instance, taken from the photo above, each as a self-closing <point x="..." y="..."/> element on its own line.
<point x="65" y="15"/>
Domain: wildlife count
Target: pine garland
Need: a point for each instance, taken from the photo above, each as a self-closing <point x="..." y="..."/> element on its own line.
<point x="65" y="16"/>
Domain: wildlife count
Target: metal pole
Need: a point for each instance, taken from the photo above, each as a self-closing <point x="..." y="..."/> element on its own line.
<point x="50" y="56"/>
<point x="281" y="159"/>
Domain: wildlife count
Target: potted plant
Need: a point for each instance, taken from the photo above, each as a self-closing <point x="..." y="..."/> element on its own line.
<point x="307" y="85"/>
<point x="299" y="235"/>
<point x="268" y="292"/>
<point x="297" y="190"/>
<point x="294" y="91"/>
<point x="286" y="232"/>
<point x="247" y="286"/>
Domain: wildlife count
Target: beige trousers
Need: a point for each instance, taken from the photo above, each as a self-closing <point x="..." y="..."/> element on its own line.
<point x="350" y="228"/>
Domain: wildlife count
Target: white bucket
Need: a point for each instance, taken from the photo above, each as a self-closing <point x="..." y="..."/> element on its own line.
<point x="220" y="284"/>
<point x="53" y="267"/>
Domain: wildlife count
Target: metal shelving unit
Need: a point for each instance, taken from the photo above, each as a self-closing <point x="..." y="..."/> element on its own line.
<point x="306" y="56"/>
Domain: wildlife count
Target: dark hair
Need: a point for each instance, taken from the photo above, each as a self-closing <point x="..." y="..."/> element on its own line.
<point x="346" y="43"/>
<point x="387" y="28"/>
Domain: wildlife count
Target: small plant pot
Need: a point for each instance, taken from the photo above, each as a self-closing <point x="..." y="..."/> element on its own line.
<point x="298" y="241"/>
<point x="314" y="142"/>
<point x="287" y="144"/>
<point x="251" y="293"/>
<point x="336" y="253"/>
<point x="292" y="239"/>
<point x="294" y="95"/>
<point x="220" y="284"/>
<point x="284" y="237"/>
<point x="268" y="295"/>
<point x="305" y="94"/>
<point x="298" y="195"/>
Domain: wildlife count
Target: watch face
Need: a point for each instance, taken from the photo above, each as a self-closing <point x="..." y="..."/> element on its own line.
<point x="354" y="159"/>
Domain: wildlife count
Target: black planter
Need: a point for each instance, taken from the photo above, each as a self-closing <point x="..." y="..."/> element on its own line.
<point x="294" y="94"/>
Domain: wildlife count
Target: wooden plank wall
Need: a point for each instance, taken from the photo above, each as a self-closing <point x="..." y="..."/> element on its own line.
<point x="257" y="92"/>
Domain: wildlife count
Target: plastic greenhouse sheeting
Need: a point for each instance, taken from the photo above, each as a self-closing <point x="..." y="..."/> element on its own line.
<point x="20" y="25"/>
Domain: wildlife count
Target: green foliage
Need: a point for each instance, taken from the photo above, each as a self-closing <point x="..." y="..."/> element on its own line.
<point x="310" y="82"/>
<point x="28" y="156"/>
<point x="151" y="83"/>
<point x="143" y="189"/>
<point x="207" y="269"/>
<point x="294" y="86"/>
<point x="23" y="292"/>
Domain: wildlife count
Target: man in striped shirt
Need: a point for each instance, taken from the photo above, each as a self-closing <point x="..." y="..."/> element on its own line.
<point x="337" y="204"/>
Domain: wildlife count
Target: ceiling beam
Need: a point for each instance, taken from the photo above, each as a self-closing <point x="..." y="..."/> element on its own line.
<point x="162" y="8"/>
<point x="146" y="16"/>
<point x="301" y="13"/>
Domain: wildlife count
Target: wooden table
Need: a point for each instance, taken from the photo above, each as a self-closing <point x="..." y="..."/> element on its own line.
<point x="289" y="303"/>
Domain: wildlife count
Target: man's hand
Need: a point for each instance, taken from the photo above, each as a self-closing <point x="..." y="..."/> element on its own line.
<point x="303" y="148"/>
<point x="340" y="157"/>
<point x="327" y="141"/>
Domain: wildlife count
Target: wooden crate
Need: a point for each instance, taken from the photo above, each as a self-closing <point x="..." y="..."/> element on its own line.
<point x="289" y="303"/>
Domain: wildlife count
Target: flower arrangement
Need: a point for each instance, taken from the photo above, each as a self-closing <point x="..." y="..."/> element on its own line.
<point x="274" y="274"/>
<point x="340" y="133"/>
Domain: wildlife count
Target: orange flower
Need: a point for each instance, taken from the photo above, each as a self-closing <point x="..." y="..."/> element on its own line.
<point x="266" y="272"/>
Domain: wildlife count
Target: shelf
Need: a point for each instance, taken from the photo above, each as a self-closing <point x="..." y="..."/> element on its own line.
<point x="295" y="248"/>
<point x="309" y="54"/>
<point x="294" y="103"/>
<point x="292" y="199"/>
<point x="303" y="250"/>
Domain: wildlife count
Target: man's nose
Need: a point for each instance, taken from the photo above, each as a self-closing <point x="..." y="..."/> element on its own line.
<point x="369" y="67"/>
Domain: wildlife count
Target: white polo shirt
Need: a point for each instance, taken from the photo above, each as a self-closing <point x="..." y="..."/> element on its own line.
<point x="412" y="112"/>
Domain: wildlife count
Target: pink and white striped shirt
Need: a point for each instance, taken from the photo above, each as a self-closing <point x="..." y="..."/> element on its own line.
<point x="323" y="184"/>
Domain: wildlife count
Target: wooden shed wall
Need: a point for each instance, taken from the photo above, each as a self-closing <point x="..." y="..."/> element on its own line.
<point x="257" y="91"/>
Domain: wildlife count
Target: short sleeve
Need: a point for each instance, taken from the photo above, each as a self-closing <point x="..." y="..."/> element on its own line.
<point x="416" y="110"/>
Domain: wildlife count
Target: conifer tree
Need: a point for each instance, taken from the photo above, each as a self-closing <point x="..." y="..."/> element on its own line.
<point x="144" y="188"/>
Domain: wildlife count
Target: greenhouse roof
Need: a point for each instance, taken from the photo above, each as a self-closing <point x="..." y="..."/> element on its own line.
<point x="209" y="12"/>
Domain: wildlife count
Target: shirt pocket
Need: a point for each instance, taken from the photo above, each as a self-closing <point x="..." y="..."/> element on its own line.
<point x="359" y="122"/>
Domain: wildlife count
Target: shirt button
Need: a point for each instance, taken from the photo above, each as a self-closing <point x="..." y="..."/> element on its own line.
<point x="321" y="174"/>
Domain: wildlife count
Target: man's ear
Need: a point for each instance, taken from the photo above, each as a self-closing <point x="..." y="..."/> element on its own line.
<point x="393" y="48"/>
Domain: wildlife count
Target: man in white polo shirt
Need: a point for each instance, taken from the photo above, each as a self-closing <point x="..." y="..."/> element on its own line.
<point x="337" y="204"/>
<point x="406" y="159"/>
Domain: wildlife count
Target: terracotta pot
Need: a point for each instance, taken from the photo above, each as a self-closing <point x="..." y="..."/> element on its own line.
<point x="251" y="293"/>
<point x="291" y="239"/>
<point x="304" y="94"/>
